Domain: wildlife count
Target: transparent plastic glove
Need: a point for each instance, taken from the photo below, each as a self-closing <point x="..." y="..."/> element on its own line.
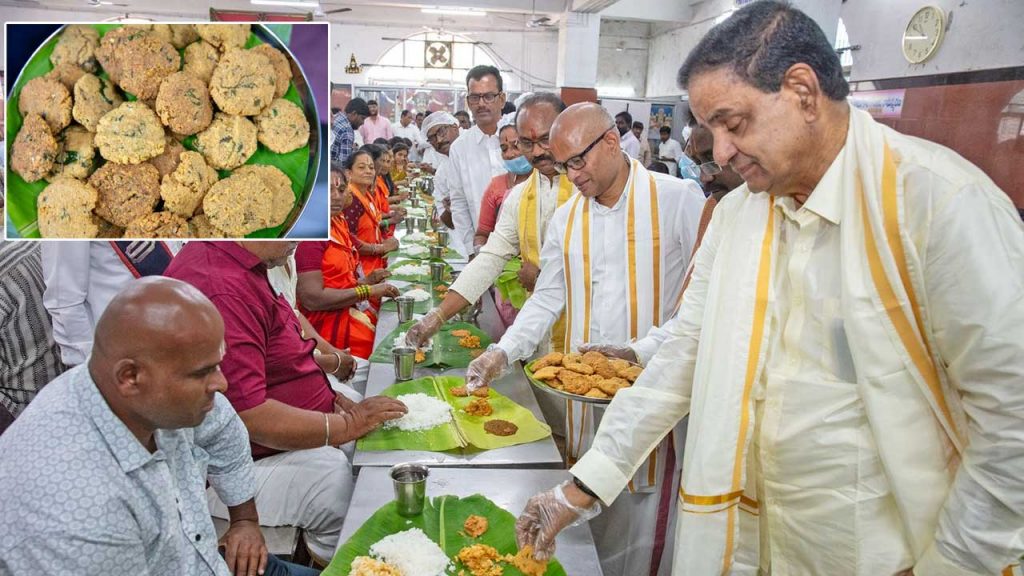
<point x="488" y="367"/>
<point x="421" y="332"/>
<point x="624" y="352"/>
<point x="546" y="514"/>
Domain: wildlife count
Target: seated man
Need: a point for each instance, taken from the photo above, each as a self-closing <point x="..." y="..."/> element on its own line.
<point x="104" y="472"/>
<point x="294" y="418"/>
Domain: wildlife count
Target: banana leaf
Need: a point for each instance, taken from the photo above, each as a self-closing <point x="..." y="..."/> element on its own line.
<point x="446" y="352"/>
<point x="464" y="430"/>
<point x="510" y="287"/>
<point x="422" y="278"/>
<point x="449" y="254"/>
<point x="421" y="307"/>
<point x="442" y="520"/>
<point x="22" y="196"/>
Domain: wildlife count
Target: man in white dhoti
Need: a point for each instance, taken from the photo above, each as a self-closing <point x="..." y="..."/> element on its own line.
<point x="613" y="260"/>
<point x="854" y="407"/>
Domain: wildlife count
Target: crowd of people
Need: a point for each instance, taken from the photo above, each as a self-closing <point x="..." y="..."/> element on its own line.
<point x="823" y="392"/>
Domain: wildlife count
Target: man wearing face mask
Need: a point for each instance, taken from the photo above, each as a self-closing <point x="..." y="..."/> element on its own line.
<point x="522" y="223"/>
<point x="476" y="156"/>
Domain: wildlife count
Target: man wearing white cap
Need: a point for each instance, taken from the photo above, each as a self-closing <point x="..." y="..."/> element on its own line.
<point x="439" y="130"/>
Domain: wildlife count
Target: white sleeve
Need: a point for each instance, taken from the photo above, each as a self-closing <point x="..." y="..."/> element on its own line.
<point x="974" y="289"/>
<point x="461" y="217"/>
<point x="66" y="275"/>
<point x="502" y="245"/>
<point x="547" y="301"/>
<point x="641" y="415"/>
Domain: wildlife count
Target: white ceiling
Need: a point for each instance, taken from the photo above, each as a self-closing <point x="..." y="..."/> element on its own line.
<point x="500" y="13"/>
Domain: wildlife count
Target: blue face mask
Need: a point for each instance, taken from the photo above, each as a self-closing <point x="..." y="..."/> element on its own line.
<point x="518" y="165"/>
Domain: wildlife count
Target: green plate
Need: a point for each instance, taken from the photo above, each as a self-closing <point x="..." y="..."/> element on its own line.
<point x="300" y="165"/>
<point x="446" y="352"/>
<point x="464" y="431"/>
<point x="442" y="520"/>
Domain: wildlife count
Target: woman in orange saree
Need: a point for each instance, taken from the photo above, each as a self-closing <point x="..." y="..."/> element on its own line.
<point x="332" y="291"/>
<point x="363" y="215"/>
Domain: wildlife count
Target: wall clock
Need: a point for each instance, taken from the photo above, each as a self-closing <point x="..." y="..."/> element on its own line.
<point x="924" y="34"/>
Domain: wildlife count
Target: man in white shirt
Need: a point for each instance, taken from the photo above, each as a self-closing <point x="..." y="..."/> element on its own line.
<point x="546" y="190"/>
<point x="83" y="276"/>
<point x="440" y="130"/>
<point x="645" y="146"/>
<point x="627" y="140"/>
<point x="408" y="130"/>
<point x="854" y="407"/>
<point x="669" y="150"/>
<point x="476" y="156"/>
<point x="613" y="262"/>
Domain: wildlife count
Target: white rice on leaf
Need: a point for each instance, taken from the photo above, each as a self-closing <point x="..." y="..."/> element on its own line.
<point x="416" y="237"/>
<point x="418" y="294"/>
<point x="413" y="553"/>
<point x="411" y="270"/>
<point x="425" y="412"/>
<point x="415" y="250"/>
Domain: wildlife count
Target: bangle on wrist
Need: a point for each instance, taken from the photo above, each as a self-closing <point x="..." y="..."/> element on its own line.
<point x="583" y="487"/>
<point x="338" y="369"/>
<point x="327" y="430"/>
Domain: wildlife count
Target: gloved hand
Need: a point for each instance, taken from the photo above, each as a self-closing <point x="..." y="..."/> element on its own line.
<point x="421" y="332"/>
<point x="486" y="368"/>
<point x="546" y="514"/>
<point x="624" y="352"/>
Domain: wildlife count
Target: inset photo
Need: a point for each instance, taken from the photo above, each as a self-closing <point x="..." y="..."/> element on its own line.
<point x="173" y="130"/>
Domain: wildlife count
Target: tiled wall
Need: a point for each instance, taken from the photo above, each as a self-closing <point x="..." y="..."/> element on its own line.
<point x="983" y="121"/>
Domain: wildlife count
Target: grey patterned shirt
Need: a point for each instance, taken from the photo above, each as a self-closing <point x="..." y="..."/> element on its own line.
<point x="29" y="358"/>
<point x="81" y="495"/>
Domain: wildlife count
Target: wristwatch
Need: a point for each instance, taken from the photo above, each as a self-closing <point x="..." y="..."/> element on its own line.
<point x="583" y="487"/>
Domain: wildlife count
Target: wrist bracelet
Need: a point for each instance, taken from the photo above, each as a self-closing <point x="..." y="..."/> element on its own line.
<point x="336" y="370"/>
<point x="583" y="487"/>
<point x="327" y="432"/>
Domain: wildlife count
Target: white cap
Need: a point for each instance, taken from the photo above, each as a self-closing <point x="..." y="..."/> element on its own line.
<point x="437" y="119"/>
<point x="507" y="120"/>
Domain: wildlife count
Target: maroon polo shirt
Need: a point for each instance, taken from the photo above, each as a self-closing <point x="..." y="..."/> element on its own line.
<point x="266" y="356"/>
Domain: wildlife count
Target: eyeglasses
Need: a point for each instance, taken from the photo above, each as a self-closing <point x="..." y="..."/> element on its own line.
<point x="578" y="161"/>
<point x="527" y="145"/>
<point x="710" y="168"/>
<point x="488" y="98"/>
<point x="436" y="137"/>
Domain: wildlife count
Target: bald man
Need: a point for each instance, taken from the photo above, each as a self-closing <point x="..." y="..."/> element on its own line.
<point x="110" y="461"/>
<point x="294" y="417"/>
<point x="617" y="252"/>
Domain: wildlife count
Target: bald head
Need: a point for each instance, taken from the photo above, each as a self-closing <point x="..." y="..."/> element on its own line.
<point x="580" y="124"/>
<point x="584" y="139"/>
<point x="150" y="315"/>
<point x="156" y="355"/>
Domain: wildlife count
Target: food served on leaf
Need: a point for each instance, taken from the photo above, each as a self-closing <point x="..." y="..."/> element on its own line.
<point x="418" y="294"/>
<point x="525" y="562"/>
<point x="414" y="250"/>
<point x="499" y="427"/>
<point x="475" y="525"/>
<point x="463" y="391"/>
<point x="425" y="412"/>
<point x="441" y="289"/>
<point x="479" y="407"/>
<point x="469" y="340"/>
<point x="408" y="553"/>
<point x="368" y="566"/>
<point x="412" y="270"/>
<point x="481" y="560"/>
<point x="419" y="356"/>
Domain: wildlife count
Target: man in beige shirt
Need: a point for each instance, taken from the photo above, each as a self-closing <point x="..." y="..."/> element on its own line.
<point x="854" y="407"/>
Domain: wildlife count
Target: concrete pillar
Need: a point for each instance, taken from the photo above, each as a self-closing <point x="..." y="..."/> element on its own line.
<point x="578" y="39"/>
